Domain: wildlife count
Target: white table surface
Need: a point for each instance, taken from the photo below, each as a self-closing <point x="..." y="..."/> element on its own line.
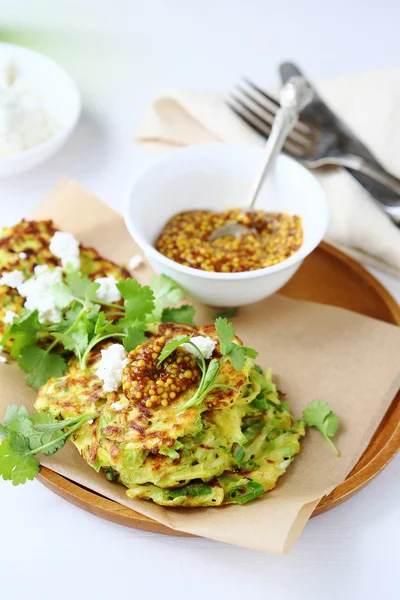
<point x="121" y="53"/>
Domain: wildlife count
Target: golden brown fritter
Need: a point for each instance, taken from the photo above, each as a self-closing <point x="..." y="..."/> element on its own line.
<point x="33" y="239"/>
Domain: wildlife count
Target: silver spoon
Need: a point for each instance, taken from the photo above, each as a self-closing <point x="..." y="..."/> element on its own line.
<point x="295" y="95"/>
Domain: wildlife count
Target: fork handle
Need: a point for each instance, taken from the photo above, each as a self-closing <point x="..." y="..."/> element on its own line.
<point x="378" y="174"/>
<point x="295" y="95"/>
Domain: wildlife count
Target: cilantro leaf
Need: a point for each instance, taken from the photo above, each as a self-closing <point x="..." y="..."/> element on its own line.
<point x="171" y="346"/>
<point x="183" y="314"/>
<point x="138" y="301"/>
<point x="236" y="353"/>
<point x="40" y="365"/>
<point x="78" y="283"/>
<point x="90" y="293"/>
<point x="23" y="332"/>
<point x="77" y="340"/>
<point x="166" y="291"/>
<point x="16" y="467"/>
<point x="318" y="414"/>
<point x="229" y="313"/>
<point x="14" y="412"/>
<point x="225" y="333"/>
<point x="61" y="295"/>
<point x="135" y="336"/>
<point x="25" y="436"/>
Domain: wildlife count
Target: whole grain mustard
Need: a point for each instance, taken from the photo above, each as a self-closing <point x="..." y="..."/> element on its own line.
<point x="184" y="239"/>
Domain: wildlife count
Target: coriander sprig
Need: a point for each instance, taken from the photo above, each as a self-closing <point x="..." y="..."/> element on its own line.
<point x="318" y="414"/>
<point x="230" y="351"/>
<point x="24" y="437"/>
<point x="42" y="349"/>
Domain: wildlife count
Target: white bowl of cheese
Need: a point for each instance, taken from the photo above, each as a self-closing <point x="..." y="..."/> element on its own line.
<point x="39" y="107"/>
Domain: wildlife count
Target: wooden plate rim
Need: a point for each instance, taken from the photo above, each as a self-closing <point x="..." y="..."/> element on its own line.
<point x="112" y="511"/>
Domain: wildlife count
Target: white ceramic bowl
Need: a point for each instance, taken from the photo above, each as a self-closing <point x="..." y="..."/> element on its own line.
<point x="61" y="99"/>
<point x="217" y="176"/>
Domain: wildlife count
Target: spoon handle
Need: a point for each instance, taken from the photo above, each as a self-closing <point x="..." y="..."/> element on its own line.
<point x="295" y="95"/>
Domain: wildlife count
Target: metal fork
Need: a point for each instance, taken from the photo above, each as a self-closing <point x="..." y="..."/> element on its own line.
<point x="312" y="146"/>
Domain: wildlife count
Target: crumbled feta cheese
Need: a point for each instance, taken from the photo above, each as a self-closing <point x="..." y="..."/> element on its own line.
<point x="90" y="422"/>
<point x="108" y="291"/>
<point x="66" y="247"/>
<point x="135" y="261"/>
<point x="2" y="358"/>
<point x="10" y="317"/>
<point x="23" y="255"/>
<point x="12" y="279"/>
<point x="112" y="363"/>
<point x="37" y="291"/>
<point x="117" y="406"/>
<point x="205" y="344"/>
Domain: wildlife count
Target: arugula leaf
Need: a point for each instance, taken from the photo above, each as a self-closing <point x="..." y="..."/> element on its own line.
<point x="318" y="414"/>
<point x="135" y="336"/>
<point x="40" y="365"/>
<point x="172" y="345"/>
<point x="138" y="301"/>
<point x="183" y="314"/>
<point x="226" y="333"/>
<point x="23" y="332"/>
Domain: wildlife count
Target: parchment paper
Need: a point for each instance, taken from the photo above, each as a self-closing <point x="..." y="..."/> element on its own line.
<point x="315" y="351"/>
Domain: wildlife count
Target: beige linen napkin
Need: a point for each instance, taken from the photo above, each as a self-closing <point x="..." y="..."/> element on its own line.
<point x="369" y="102"/>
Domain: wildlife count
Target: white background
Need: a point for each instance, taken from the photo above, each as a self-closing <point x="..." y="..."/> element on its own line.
<point x="121" y="53"/>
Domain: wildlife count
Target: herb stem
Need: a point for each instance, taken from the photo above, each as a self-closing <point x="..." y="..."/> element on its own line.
<point x="82" y="420"/>
<point x="332" y="445"/>
<point x="93" y="343"/>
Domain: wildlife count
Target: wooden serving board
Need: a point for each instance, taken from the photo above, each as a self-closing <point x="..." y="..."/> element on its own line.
<point x="327" y="276"/>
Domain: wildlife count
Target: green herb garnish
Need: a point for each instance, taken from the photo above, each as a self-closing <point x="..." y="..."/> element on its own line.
<point x="318" y="414"/>
<point x="24" y="437"/>
<point x="230" y="351"/>
<point x="42" y="350"/>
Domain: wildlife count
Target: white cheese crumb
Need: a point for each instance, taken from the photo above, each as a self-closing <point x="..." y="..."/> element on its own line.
<point x="2" y="358"/>
<point x="108" y="291"/>
<point x="12" y="279"/>
<point x="90" y="422"/>
<point x="135" y="261"/>
<point x="66" y="247"/>
<point x="10" y="317"/>
<point x="110" y="368"/>
<point x="37" y="291"/>
<point x="117" y="406"/>
<point x="205" y="344"/>
<point x="23" y="255"/>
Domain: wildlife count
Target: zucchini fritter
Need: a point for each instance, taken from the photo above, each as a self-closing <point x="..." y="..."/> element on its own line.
<point x="230" y="448"/>
<point x="32" y="238"/>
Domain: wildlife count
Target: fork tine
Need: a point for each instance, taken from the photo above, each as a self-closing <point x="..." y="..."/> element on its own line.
<point x="255" y="87"/>
<point x="300" y="141"/>
<point x="307" y="129"/>
<point x="297" y="134"/>
<point x="263" y="129"/>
